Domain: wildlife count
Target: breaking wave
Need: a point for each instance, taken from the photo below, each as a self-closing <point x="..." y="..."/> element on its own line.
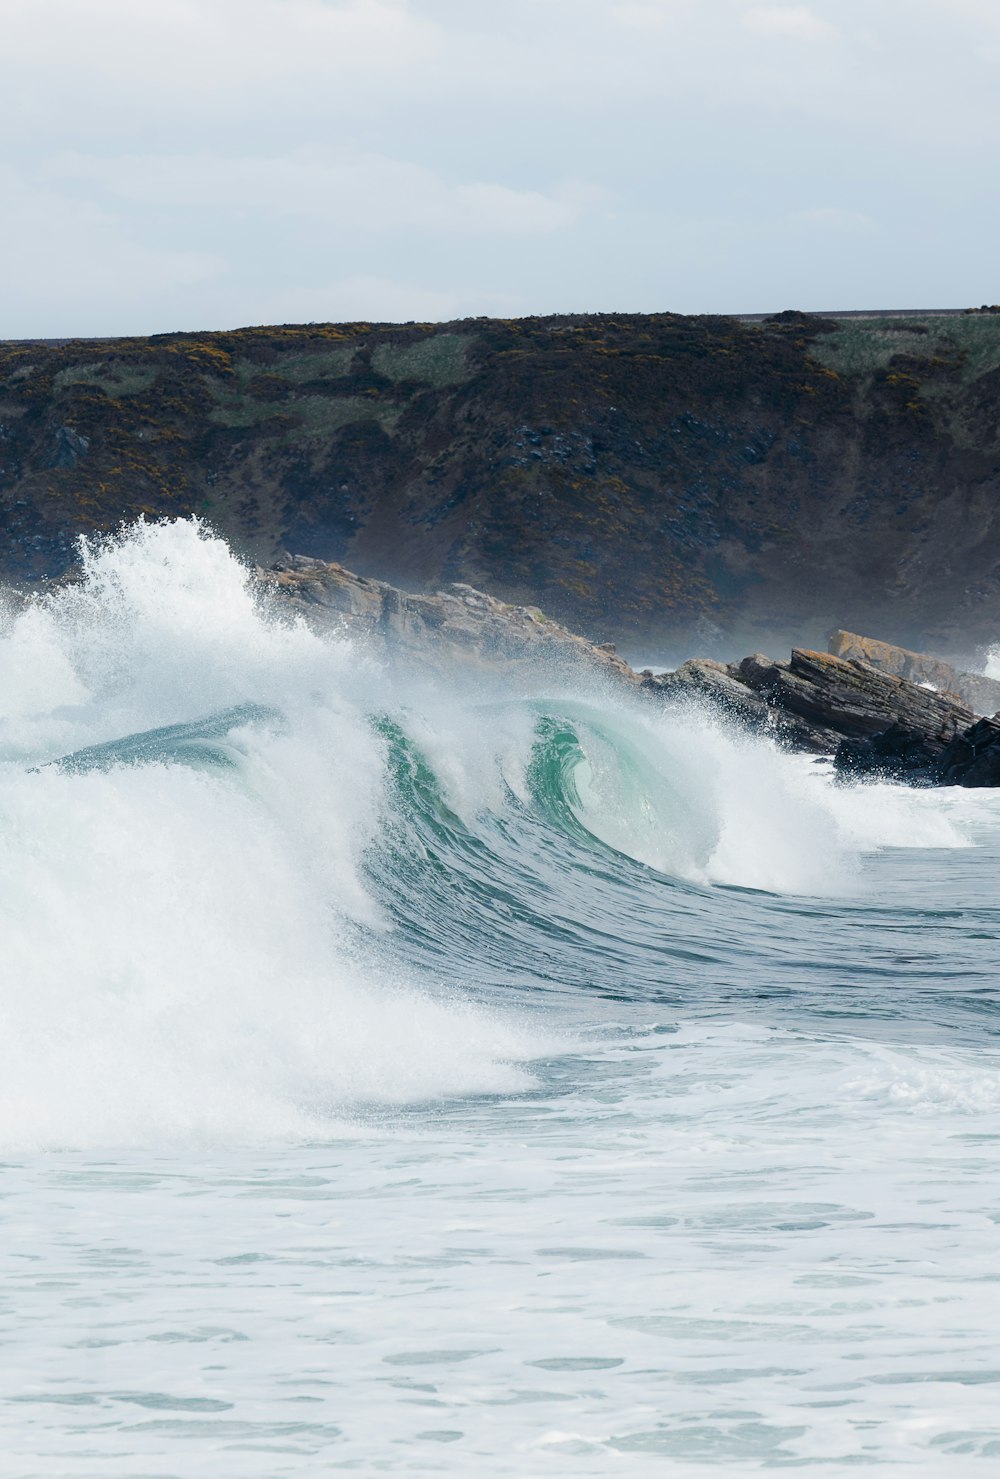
<point x="252" y="882"/>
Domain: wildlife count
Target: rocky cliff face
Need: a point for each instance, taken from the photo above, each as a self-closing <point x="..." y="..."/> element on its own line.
<point x="674" y="483"/>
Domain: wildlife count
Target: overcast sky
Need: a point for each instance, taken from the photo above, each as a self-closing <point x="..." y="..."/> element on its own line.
<point x="186" y="164"/>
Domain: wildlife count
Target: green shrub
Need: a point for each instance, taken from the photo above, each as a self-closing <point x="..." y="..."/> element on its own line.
<point x="115" y="379"/>
<point x="439" y="360"/>
<point x="310" y="364"/>
<point x="860" y="346"/>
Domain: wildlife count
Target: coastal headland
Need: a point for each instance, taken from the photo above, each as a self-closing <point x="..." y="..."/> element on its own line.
<point x="673" y="484"/>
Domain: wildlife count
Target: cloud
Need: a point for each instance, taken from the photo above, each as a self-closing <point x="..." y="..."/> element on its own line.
<point x="71" y="258"/>
<point x="649" y="15"/>
<point x="214" y="43"/>
<point x="211" y="161"/>
<point x="368" y="192"/>
<point x="793" y="21"/>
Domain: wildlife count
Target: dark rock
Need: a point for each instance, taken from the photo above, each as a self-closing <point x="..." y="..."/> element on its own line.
<point x="973" y="757"/>
<point x="897" y="754"/>
<point x="703" y="679"/>
<point x="835" y="699"/>
<point x="874" y="722"/>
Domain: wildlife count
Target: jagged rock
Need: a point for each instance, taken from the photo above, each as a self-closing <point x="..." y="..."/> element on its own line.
<point x="873" y="721"/>
<point x="68" y="446"/>
<point x="837" y="699"/>
<point x="795" y="719"/>
<point x="721" y="684"/>
<point x="703" y="678"/>
<point x="973" y="758"/>
<point x="917" y="667"/>
<point x="455" y="626"/>
<point x="979" y="693"/>
<point x="898" y="754"/>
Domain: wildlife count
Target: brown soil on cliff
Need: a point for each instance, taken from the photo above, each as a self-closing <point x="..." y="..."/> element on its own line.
<point x="650" y="479"/>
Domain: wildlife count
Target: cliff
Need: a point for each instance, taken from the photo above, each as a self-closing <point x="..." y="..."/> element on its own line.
<point x="662" y="481"/>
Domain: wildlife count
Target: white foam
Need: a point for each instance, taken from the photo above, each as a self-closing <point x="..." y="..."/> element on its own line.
<point x="180" y="948"/>
<point x="714" y="804"/>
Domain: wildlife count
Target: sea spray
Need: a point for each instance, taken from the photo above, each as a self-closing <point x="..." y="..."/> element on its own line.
<point x="251" y="883"/>
<point x="182" y="951"/>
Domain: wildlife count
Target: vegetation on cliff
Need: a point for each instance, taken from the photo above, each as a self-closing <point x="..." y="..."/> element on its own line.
<point x="646" y="476"/>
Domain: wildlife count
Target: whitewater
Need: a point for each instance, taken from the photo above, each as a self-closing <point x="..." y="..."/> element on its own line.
<point x="408" y="1077"/>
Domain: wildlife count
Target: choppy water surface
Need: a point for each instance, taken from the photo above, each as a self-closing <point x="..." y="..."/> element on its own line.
<point x="399" y="1080"/>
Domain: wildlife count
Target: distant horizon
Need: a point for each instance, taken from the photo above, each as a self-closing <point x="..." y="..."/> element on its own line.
<point x="374" y="323"/>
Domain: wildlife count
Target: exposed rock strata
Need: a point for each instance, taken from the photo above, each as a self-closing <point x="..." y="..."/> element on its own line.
<point x="457" y="626"/>
<point x="816" y="701"/>
<point x="852" y="700"/>
<point x="978" y="692"/>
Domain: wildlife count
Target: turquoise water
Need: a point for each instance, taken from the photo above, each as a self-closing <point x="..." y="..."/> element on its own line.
<point x="399" y="1079"/>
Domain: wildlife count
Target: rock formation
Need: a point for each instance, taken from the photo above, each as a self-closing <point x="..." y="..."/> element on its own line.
<point x="978" y="692"/>
<point x="972" y="758"/>
<point x="864" y="712"/>
<point x="819" y="702"/>
<point x="456" y="627"/>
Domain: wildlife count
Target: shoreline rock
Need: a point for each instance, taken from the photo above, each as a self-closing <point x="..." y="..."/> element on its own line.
<point x="457" y="625"/>
<point x="974" y="689"/>
<point x="879" y="711"/>
<point x="828" y="705"/>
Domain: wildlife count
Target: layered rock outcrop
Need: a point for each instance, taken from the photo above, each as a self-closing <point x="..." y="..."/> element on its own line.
<point x="455" y="627"/>
<point x="819" y="702"/>
<point x="980" y="693"/>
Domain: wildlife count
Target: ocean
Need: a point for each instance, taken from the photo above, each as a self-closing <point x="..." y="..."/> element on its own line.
<point x="404" y="1077"/>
